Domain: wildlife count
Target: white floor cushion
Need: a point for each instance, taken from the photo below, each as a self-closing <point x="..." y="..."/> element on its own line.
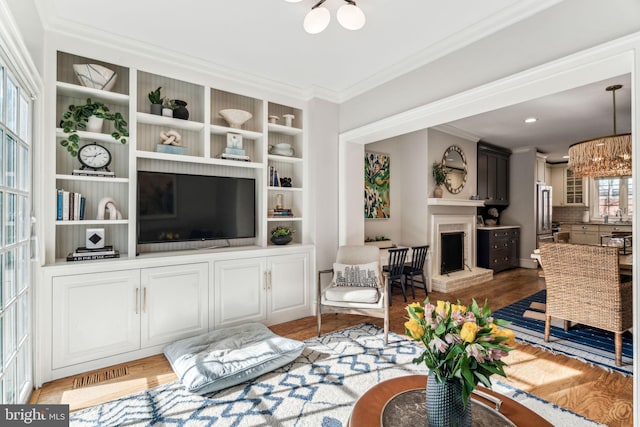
<point x="229" y="356"/>
<point x="352" y="294"/>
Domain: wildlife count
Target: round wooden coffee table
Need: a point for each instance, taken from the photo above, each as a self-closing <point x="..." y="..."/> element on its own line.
<point x="368" y="410"/>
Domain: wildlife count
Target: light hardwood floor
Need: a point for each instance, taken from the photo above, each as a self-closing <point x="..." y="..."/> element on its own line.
<point x="591" y="391"/>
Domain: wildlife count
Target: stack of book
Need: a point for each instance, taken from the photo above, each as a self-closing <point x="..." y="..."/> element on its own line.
<point x="70" y="205"/>
<point x="87" y="254"/>
<point x="235" y="154"/>
<point x="273" y="213"/>
<point x="89" y="172"/>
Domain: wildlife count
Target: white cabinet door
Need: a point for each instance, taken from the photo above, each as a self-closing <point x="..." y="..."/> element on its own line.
<point x="240" y="291"/>
<point x="288" y="287"/>
<point x="173" y="303"/>
<point x="94" y="316"/>
<point x="558" y="182"/>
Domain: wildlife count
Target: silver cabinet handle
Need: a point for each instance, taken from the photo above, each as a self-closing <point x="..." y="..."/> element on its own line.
<point x="144" y="300"/>
<point x="137" y="298"/>
<point x="264" y="282"/>
<point x="269" y="286"/>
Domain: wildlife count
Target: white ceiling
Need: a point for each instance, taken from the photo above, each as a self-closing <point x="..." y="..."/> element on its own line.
<point x="564" y="118"/>
<point x="264" y="39"/>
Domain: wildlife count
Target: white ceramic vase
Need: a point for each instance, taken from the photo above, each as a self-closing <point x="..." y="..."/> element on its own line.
<point x="95" y="124"/>
<point x="288" y="119"/>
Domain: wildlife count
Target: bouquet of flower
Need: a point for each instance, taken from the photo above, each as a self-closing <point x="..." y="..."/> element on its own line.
<point x="462" y="343"/>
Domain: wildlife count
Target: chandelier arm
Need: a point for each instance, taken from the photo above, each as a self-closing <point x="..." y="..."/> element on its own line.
<point x="351" y="2"/>
<point x="318" y="4"/>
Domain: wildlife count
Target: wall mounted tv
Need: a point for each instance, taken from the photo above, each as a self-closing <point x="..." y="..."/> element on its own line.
<point x="179" y="207"/>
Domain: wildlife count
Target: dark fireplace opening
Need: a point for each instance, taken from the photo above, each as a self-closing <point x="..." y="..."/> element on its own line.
<point x="451" y="252"/>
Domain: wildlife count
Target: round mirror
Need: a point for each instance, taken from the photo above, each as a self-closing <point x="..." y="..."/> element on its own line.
<point x="455" y="166"/>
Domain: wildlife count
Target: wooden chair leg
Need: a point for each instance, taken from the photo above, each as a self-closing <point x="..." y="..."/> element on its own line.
<point x="547" y="328"/>
<point x="618" y="344"/>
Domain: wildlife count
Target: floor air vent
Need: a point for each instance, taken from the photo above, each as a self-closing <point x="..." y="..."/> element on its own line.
<point x="98" y="377"/>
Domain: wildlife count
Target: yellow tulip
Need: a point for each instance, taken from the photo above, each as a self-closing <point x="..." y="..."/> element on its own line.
<point x="416" y="305"/>
<point x="469" y="331"/>
<point x="440" y="305"/>
<point x="414" y="328"/>
<point x="506" y="333"/>
<point x="460" y="308"/>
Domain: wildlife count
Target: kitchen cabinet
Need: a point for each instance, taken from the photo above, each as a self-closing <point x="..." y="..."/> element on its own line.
<point x="541" y="169"/>
<point x="568" y="190"/>
<point x="585" y="234"/>
<point x="498" y="247"/>
<point x="273" y="289"/>
<point x="493" y="175"/>
<point x="110" y="313"/>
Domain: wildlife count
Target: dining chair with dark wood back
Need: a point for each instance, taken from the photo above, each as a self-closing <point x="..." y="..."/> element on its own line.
<point x="414" y="269"/>
<point x="394" y="271"/>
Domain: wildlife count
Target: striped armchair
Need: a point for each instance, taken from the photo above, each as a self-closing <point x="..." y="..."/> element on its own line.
<point x="584" y="286"/>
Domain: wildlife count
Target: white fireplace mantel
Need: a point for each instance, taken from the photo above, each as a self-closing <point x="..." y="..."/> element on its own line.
<point x="432" y="201"/>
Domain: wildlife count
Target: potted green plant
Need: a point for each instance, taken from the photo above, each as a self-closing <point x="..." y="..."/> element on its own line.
<point x="440" y="175"/>
<point x="281" y="235"/>
<point x="83" y="117"/>
<point x="156" y="101"/>
<point x="167" y="107"/>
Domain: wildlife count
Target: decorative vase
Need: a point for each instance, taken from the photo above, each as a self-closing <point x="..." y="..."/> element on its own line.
<point x="180" y="112"/>
<point x="281" y="240"/>
<point x="437" y="192"/>
<point x="167" y="112"/>
<point x="156" y="109"/>
<point x="94" y="124"/>
<point x="444" y="404"/>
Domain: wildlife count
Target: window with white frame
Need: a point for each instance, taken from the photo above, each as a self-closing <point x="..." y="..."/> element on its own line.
<point x="612" y="197"/>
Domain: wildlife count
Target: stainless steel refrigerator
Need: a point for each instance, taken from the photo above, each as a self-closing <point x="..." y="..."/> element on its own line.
<point x="544" y="200"/>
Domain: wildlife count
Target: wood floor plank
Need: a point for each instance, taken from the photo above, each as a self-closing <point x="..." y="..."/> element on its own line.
<point x="591" y="391"/>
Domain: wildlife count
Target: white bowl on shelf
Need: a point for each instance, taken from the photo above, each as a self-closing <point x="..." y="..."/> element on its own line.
<point x="235" y="118"/>
<point x="95" y="76"/>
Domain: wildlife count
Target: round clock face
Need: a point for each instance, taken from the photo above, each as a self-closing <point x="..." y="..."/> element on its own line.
<point x="94" y="156"/>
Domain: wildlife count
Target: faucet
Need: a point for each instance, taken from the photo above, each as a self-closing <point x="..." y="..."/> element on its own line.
<point x="606" y="219"/>
<point x="619" y="215"/>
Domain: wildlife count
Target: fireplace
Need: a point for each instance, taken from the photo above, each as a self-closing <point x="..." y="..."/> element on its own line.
<point x="451" y="252"/>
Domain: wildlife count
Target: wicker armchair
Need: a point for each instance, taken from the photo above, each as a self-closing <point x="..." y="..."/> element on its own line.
<point x="583" y="286"/>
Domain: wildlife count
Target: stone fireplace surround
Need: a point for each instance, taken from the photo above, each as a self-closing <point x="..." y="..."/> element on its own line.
<point x="451" y="219"/>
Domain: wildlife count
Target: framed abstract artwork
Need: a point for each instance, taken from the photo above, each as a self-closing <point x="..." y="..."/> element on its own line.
<point x="376" y="186"/>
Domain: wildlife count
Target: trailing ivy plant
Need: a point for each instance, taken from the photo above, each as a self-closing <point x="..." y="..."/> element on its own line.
<point x="77" y="117"/>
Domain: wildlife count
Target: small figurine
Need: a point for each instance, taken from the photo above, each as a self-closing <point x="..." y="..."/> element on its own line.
<point x="285" y="182"/>
<point x="170" y="137"/>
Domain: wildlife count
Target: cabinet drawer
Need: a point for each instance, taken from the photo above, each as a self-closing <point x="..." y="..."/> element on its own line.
<point x="584" y="227"/>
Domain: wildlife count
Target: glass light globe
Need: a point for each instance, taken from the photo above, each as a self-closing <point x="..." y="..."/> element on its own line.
<point x="293" y="1"/>
<point x="317" y="20"/>
<point x="351" y="17"/>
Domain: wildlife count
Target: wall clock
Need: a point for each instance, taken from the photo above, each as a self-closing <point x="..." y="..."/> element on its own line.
<point x="94" y="157"/>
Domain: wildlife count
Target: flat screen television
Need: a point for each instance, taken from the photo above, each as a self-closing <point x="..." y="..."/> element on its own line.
<point x="176" y="207"/>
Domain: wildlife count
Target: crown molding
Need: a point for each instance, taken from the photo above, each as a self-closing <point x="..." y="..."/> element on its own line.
<point x="508" y="16"/>
<point x="452" y="130"/>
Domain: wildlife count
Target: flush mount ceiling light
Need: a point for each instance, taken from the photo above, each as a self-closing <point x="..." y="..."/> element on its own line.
<point x="349" y="15"/>
<point x="530" y="120"/>
<point x="608" y="156"/>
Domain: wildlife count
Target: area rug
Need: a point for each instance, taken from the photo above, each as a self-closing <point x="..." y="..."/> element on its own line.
<point x="317" y="389"/>
<point x="589" y="344"/>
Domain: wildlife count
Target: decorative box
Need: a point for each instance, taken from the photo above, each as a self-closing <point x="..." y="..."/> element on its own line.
<point x="171" y="149"/>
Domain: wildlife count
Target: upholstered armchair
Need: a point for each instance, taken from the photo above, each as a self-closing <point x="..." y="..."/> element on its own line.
<point x="356" y="286"/>
<point x="584" y="286"/>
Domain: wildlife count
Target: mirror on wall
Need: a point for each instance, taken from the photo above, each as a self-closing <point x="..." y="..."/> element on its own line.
<point x="455" y="166"/>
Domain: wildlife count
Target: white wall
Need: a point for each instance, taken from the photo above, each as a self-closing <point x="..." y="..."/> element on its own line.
<point x="556" y="32"/>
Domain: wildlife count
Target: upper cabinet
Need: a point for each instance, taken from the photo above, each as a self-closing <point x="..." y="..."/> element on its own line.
<point x="173" y="126"/>
<point x="567" y="189"/>
<point x="493" y="175"/>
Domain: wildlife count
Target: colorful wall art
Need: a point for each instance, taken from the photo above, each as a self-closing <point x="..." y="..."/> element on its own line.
<point x="376" y="186"/>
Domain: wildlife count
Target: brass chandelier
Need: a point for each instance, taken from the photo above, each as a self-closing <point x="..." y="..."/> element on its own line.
<point x="607" y="156"/>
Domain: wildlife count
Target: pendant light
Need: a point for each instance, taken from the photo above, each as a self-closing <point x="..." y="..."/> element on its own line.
<point x="349" y="15"/>
<point x="608" y="156"/>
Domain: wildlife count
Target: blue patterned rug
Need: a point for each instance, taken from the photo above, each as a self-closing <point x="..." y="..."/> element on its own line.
<point x="317" y="389"/>
<point x="591" y="345"/>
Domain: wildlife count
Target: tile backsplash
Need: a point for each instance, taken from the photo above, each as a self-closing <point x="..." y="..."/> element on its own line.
<point x="568" y="213"/>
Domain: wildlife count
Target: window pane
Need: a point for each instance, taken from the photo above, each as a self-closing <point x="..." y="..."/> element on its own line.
<point x="629" y="197"/>
<point x="23" y="322"/>
<point x="10" y="161"/>
<point x="608" y="196"/>
<point x="23" y="267"/>
<point x="1" y="157"/>
<point x="10" y="384"/>
<point x="9" y="276"/>
<point x="24" y="219"/>
<point x="9" y="333"/>
<point x="10" y="219"/>
<point x="23" y="167"/>
<point x="24" y="121"/>
<point x="12" y="106"/>
<point x="1" y="93"/>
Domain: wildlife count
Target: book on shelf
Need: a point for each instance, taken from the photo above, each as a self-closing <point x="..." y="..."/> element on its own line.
<point x="70" y="205"/>
<point x="87" y="172"/>
<point x="83" y="251"/>
<point x="90" y="256"/>
<point x="234" y="157"/>
<point x="279" y="212"/>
